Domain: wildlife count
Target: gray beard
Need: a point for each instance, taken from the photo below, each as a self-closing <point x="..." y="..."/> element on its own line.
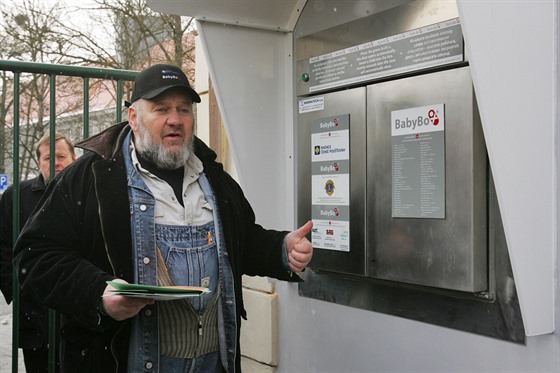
<point x="163" y="159"/>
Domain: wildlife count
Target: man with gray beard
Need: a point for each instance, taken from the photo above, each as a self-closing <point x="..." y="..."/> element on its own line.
<point x="149" y="205"/>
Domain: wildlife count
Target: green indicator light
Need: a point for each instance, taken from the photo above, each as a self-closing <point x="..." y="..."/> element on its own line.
<point x="305" y="77"/>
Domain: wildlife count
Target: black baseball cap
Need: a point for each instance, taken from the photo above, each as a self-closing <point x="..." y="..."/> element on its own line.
<point x="157" y="79"/>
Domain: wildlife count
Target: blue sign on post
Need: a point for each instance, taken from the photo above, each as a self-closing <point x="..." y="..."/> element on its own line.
<point x="3" y="181"/>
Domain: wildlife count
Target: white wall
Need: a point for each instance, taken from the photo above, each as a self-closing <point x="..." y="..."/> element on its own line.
<point x="201" y="86"/>
<point x="513" y="50"/>
<point x="251" y="72"/>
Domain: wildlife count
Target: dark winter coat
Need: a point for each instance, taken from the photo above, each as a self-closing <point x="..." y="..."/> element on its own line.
<point x="82" y="238"/>
<point x="33" y="318"/>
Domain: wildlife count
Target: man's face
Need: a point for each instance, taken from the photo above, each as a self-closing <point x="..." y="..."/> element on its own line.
<point x="163" y="128"/>
<point x="63" y="157"/>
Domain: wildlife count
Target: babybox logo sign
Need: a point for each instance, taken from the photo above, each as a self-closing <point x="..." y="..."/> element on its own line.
<point x="328" y="168"/>
<point x="418" y="120"/>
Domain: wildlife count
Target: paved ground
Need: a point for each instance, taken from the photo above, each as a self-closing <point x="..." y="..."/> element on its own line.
<point x="6" y="339"/>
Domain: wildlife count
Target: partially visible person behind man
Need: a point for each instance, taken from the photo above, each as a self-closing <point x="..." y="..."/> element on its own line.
<point x="33" y="318"/>
<point x="149" y="204"/>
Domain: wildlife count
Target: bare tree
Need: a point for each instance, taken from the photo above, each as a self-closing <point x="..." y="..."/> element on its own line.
<point x="138" y="36"/>
<point x="120" y="34"/>
<point x="6" y="102"/>
<point x="30" y="33"/>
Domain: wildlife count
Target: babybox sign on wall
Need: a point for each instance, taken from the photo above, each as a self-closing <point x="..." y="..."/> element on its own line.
<point x="330" y="179"/>
<point x="418" y="167"/>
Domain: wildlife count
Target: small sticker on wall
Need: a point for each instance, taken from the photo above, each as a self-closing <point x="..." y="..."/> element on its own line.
<point x="311" y="104"/>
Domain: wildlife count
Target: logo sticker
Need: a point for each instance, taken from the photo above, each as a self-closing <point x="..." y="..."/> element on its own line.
<point x="329" y="187"/>
<point x="433" y="117"/>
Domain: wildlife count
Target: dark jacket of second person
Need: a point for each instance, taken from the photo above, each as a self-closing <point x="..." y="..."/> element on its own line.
<point x="33" y="318"/>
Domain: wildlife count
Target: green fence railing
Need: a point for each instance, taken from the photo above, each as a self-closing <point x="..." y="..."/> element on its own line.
<point x="52" y="71"/>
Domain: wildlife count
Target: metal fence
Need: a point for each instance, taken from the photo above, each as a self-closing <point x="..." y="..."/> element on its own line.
<point x="52" y="71"/>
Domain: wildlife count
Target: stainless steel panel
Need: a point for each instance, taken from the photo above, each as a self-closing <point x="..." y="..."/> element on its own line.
<point x="390" y="18"/>
<point x="449" y="253"/>
<point x="352" y="102"/>
<point x="496" y="314"/>
<point x="471" y="286"/>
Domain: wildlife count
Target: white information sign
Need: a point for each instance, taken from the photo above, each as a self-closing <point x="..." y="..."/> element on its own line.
<point x="330" y="183"/>
<point x="418" y="162"/>
<point x="331" y="234"/>
<point x="335" y="190"/>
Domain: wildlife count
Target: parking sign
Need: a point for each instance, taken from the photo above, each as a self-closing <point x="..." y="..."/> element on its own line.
<point x="3" y="182"/>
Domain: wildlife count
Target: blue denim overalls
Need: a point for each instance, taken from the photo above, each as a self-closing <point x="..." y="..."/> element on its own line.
<point x="144" y="346"/>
